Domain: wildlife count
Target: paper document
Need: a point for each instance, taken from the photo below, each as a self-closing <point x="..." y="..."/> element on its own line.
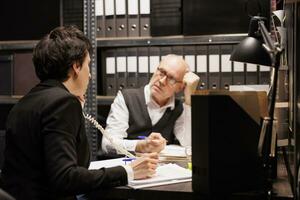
<point x="165" y="174"/>
<point x="106" y="163"/>
<point x="173" y="151"/>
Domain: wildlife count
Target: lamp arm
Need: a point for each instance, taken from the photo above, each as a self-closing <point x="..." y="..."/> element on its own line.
<point x="266" y="37"/>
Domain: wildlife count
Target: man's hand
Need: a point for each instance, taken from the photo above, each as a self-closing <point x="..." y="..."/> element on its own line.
<point x="154" y="143"/>
<point x="191" y="81"/>
<point x="145" y="166"/>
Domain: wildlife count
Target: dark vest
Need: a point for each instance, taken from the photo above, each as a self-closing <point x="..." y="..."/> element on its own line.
<point x="139" y="119"/>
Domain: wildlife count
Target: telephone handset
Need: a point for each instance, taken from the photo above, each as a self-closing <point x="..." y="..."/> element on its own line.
<point x="108" y="137"/>
<point x="191" y="81"/>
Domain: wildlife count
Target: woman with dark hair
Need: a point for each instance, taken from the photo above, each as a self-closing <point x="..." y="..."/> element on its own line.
<point x="47" y="152"/>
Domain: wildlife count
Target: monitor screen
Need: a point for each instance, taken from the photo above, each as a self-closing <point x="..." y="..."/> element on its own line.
<point x="225" y="135"/>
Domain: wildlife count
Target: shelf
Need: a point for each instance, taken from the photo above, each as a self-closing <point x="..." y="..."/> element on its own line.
<point x="18" y="45"/>
<point x="170" y="40"/>
<point x="5" y="99"/>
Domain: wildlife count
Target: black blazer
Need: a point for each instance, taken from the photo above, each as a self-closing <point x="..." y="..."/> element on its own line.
<point x="47" y="152"/>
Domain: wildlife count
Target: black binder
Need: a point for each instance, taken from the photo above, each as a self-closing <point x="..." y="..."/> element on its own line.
<point x="189" y="53"/>
<point x="133" y="18"/>
<point x="166" y="17"/>
<point x="238" y="73"/>
<point x="6" y="69"/>
<point x="132" y="69"/>
<point x="145" y="18"/>
<point x="213" y="67"/>
<point x="100" y="29"/>
<point x="143" y="66"/>
<point x="121" y="18"/>
<point x="110" y="72"/>
<point x="264" y="75"/>
<point x="165" y="50"/>
<point x="153" y="59"/>
<point x="251" y="74"/>
<point x="110" y="18"/>
<point x="178" y="50"/>
<point x="121" y="62"/>
<point x="226" y="67"/>
<point x="201" y="66"/>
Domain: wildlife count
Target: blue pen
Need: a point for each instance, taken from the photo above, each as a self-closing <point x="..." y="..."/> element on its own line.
<point x="142" y="137"/>
<point x="128" y="160"/>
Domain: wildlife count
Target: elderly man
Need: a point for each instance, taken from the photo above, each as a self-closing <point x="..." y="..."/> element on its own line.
<point x="152" y="112"/>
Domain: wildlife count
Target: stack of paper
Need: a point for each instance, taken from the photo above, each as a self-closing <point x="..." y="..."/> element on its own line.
<point x="165" y="174"/>
<point x="173" y="151"/>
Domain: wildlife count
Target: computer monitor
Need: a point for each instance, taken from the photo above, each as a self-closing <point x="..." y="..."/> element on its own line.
<point x="225" y="134"/>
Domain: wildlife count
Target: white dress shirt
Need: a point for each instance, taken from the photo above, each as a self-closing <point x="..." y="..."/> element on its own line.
<point x="118" y="118"/>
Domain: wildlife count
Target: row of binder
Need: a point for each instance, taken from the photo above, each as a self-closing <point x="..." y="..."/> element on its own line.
<point x="122" y="18"/>
<point x="133" y="67"/>
<point x="17" y="74"/>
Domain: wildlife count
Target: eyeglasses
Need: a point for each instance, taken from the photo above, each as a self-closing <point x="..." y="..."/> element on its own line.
<point x="162" y="73"/>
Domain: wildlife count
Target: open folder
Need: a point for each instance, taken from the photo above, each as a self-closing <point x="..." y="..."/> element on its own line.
<point x="165" y="174"/>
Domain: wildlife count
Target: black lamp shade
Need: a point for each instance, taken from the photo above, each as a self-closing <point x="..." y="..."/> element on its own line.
<point x="250" y="50"/>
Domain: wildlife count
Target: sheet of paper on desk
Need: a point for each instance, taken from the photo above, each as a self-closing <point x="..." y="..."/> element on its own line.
<point x="106" y="163"/>
<point x="173" y="151"/>
<point x="165" y="174"/>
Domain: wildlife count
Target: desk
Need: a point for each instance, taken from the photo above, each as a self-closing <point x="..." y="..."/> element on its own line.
<point x="183" y="191"/>
<point x="179" y="191"/>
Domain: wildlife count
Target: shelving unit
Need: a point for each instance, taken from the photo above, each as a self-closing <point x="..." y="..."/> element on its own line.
<point x="170" y="40"/>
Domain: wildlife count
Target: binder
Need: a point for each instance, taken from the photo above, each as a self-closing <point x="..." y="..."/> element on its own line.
<point x="121" y="68"/>
<point x="133" y="18"/>
<point x="189" y="57"/>
<point x="153" y="59"/>
<point x="201" y="66"/>
<point x="226" y="66"/>
<point x="165" y="51"/>
<point x="110" y="72"/>
<point x="177" y="50"/>
<point x="264" y="75"/>
<point x="110" y="26"/>
<point x="238" y="73"/>
<point x="6" y="69"/>
<point x="100" y="30"/>
<point x="24" y="77"/>
<point x="145" y="17"/>
<point x="214" y="67"/>
<point x="121" y="18"/>
<point x="143" y="66"/>
<point x="166" y="17"/>
<point x="132" y="71"/>
<point x="251" y="74"/>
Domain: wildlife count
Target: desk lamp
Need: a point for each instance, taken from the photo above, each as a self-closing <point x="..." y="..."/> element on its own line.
<point x="259" y="48"/>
